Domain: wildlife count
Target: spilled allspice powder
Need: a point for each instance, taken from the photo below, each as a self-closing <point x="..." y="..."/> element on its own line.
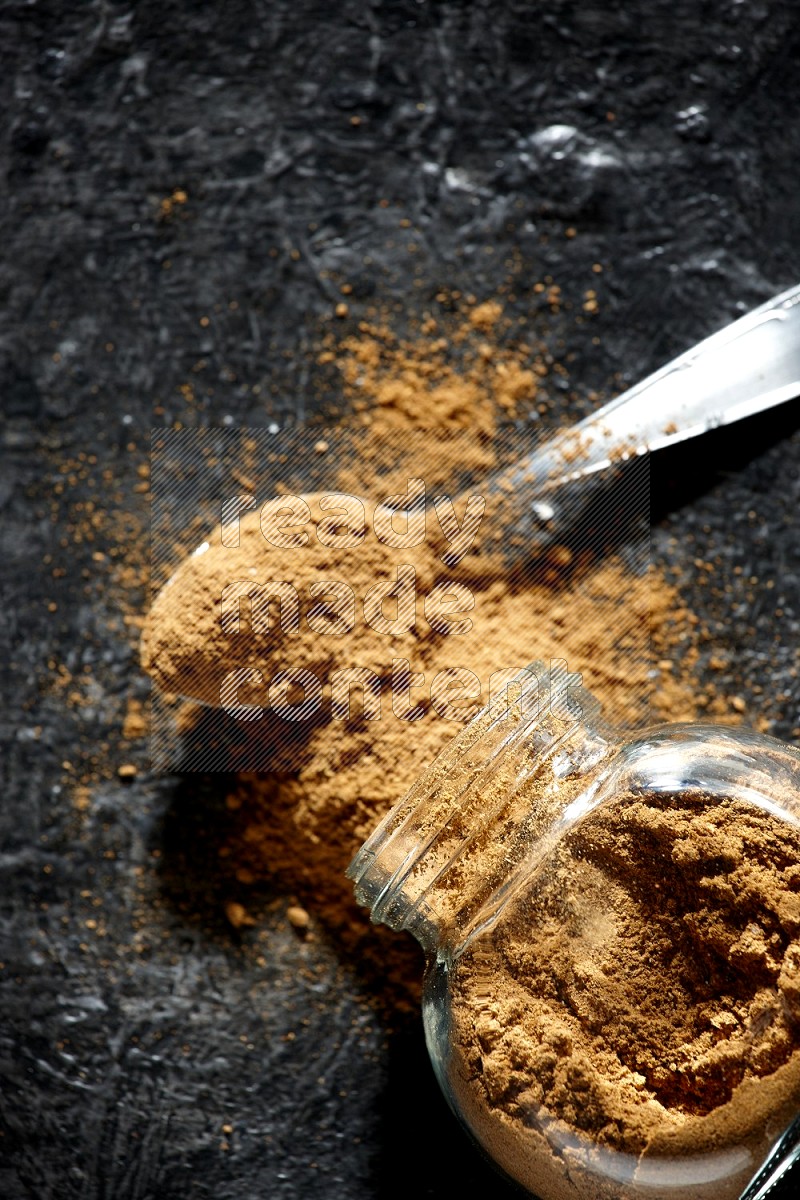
<point x="440" y="402"/>
<point x="437" y="402"/>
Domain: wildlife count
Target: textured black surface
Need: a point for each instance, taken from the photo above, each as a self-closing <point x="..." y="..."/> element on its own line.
<point x="666" y="133"/>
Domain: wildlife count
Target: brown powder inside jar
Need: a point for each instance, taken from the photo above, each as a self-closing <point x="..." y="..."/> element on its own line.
<point x="642" y="998"/>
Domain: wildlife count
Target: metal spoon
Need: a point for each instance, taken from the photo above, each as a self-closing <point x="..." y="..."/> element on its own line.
<point x="784" y="1154"/>
<point x="750" y="365"/>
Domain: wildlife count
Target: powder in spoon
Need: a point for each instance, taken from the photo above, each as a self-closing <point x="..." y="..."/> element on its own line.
<point x="265" y="607"/>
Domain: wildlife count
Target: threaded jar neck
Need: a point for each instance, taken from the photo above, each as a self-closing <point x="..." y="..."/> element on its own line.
<point x="445" y="854"/>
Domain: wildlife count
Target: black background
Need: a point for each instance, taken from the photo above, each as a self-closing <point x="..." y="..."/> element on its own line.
<point x="489" y="127"/>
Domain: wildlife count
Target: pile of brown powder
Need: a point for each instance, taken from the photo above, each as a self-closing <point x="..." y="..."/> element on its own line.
<point x="644" y="999"/>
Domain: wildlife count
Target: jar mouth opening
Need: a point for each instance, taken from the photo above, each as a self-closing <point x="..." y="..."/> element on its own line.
<point x="540" y="707"/>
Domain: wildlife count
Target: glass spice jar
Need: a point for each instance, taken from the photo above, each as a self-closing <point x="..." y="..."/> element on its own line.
<point x="612" y="928"/>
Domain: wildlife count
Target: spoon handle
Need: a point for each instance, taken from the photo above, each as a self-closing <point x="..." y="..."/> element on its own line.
<point x="750" y="365"/>
<point x="784" y="1153"/>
